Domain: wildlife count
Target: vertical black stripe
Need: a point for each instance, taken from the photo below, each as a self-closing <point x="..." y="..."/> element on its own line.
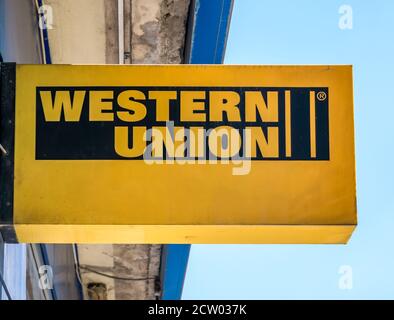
<point x="300" y="134"/>
<point x="7" y="135"/>
<point x="322" y="127"/>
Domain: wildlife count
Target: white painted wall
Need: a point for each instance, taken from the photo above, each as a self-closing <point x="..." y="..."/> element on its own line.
<point x="78" y="31"/>
<point x="14" y="271"/>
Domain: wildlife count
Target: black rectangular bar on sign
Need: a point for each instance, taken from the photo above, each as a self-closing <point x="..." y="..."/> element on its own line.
<point x="302" y="121"/>
<point x="7" y="136"/>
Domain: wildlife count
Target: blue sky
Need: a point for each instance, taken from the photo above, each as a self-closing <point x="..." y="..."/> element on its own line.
<point x="307" y="32"/>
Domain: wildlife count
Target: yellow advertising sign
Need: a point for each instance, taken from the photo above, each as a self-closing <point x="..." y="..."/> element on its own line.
<point x="180" y="154"/>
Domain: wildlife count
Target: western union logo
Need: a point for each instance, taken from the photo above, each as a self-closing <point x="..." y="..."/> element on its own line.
<point x="75" y="123"/>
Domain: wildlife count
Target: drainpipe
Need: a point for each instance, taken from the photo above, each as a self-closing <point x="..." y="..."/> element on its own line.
<point x="121" y="30"/>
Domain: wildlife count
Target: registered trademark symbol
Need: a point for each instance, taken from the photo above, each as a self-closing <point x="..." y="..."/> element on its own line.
<point x="321" y="96"/>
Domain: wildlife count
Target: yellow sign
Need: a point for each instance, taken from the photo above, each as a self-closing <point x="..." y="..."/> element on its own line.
<point x="183" y="154"/>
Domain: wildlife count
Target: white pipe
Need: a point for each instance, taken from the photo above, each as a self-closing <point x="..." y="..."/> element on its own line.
<point x="121" y="30"/>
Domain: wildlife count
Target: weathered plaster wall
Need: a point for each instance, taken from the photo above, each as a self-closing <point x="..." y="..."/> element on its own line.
<point x="158" y="30"/>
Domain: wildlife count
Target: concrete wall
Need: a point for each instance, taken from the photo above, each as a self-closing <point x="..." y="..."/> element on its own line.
<point x="87" y="31"/>
<point x="158" y="30"/>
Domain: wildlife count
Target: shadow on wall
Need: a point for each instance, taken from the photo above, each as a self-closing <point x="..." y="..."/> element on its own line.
<point x="19" y="40"/>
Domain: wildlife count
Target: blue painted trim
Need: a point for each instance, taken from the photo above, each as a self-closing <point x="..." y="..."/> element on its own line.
<point x="173" y="271"/>
<point x="45" y="39"/>
<point x="209" y="22"/>
<point x="208" y="26"/>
